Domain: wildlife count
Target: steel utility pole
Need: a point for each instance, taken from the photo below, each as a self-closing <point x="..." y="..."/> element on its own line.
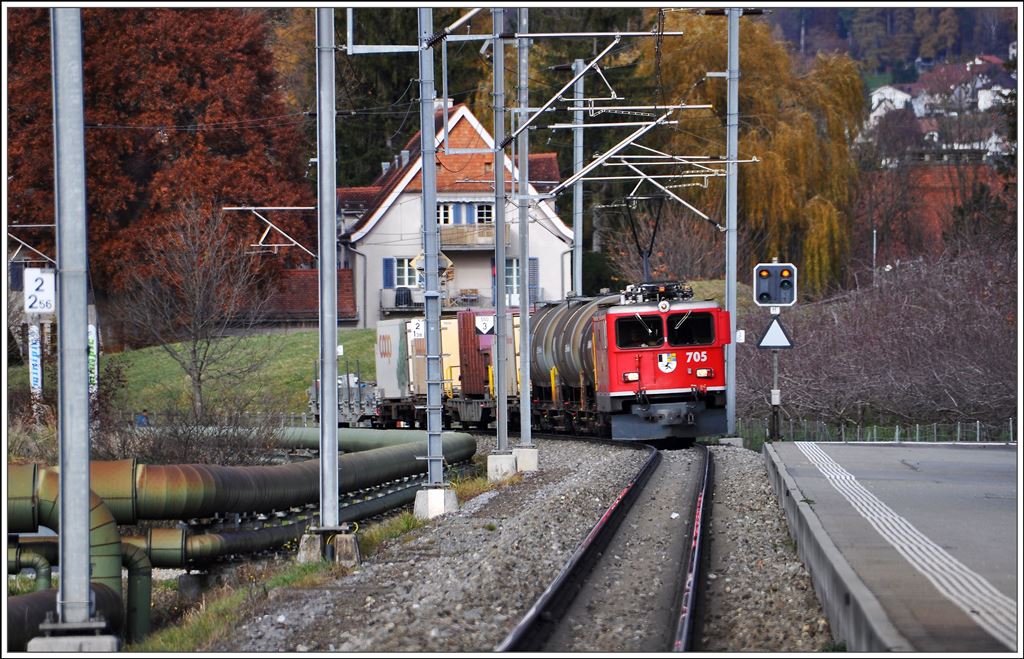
<point x="525" y="430"/>
<point x="732" y="138"/>
<point x="500" y="313"/>
<point x="431" y="246"/>
<point x="328" y="264"/>
<point x="72" y="339"/>
<point x="577" y="188"/>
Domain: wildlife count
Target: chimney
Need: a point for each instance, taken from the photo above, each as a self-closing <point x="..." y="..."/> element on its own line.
<point x="405" y="157"/>
<point x="442" y="103"/>
<point x="384" y="167"/>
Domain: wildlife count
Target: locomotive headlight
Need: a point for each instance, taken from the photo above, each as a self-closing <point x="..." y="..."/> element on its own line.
<point x="631" y="377"/>
<point x="705" y="373"/>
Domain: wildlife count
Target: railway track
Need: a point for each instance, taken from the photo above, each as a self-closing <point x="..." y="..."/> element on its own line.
<point x="630" y="586"/>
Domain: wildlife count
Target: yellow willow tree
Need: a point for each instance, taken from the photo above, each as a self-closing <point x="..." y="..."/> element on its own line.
<point x="799" y="121"/>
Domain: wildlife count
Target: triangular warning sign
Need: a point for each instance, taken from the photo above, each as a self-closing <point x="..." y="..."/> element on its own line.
<point x="775" y="336"/>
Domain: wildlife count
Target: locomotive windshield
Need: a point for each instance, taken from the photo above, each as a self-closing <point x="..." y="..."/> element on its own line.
<point x="638" y="331"/>
<point x="691" y="329"/>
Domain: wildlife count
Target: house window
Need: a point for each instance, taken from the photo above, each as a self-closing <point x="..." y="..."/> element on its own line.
<point x="484" y="213"/>
<point x="512" y="276"/>
<point x="405" y="273"/>
<point x="445" y="213"/>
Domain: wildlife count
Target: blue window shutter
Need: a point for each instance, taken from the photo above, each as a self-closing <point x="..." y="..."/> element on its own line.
<point x="17" y="275"/>
<point x="534" y="279"/>
<point x="470" y="213"/>
<point x="457" y="213"/>
<point x="389" y="272"/>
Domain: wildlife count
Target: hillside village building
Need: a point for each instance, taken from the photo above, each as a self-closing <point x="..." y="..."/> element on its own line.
<point x="380" y="229"/>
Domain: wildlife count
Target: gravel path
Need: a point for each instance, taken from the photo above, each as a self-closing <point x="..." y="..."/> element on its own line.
<point x="464" y="581"/>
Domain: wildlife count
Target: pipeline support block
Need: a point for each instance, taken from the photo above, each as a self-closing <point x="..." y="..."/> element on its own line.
<point x="331" y="544"/>
<point x="345" y="548"/>
<point x="433" y="502"/>
<point x="54" y="644"/>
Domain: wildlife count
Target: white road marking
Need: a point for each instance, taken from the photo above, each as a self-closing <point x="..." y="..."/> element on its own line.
<point x="973" y="594"/>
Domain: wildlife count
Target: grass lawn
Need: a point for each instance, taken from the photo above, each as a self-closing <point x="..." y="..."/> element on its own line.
<point x="156" y="382"/>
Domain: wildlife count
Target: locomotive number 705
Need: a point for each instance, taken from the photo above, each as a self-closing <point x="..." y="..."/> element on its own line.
<point x="696" y="357"/>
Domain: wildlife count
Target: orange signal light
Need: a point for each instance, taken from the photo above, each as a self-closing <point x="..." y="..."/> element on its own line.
<point x="786" y="272"/>
<point x="763" y="274"/>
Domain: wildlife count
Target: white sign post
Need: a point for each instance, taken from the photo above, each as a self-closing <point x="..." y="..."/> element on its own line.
<point x="35" y="369"/>
<point x="94" y="361"/>
<point x="40" y="291"/>
<point x="775" y="337"/>
<point x="484" y="324"/>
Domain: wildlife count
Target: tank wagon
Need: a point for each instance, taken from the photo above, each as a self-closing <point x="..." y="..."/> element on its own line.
<point x="646" y="364"/>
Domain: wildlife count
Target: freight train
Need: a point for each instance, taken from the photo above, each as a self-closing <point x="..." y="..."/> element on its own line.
<point x="644" y="365"/>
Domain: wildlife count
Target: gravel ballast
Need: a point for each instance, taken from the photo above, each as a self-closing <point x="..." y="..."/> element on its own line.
<point x="758" y="595"/>
<point x="463" y="582"/>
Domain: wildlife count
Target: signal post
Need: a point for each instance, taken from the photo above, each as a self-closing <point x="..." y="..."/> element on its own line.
<point x="775" y="287"/>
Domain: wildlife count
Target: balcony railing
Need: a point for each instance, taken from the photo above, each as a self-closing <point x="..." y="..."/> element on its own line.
<point x="470" y="236"/>
<point x="392" y="300"/>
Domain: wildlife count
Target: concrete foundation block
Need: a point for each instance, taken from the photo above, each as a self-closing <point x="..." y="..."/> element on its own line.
<point x="346" y="549"/>
<point x="310" y="549"/>
<point x="500" y="467"/>
<point x="431" y="503"/>
<point x="192" y="586"/>
<point x="85" y="643"/>
<point x="527" y="459"/>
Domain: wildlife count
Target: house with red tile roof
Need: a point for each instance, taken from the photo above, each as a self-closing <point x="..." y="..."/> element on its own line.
<point x="380" y="228"/>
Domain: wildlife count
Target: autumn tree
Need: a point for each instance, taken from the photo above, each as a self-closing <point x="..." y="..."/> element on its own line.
<point x="179" y="103"/>
<point x="378" y="94"/>
<point x="794" y="202"/>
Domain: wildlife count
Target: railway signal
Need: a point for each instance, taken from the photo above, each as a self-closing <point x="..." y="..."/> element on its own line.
<point x="775" y="284"/>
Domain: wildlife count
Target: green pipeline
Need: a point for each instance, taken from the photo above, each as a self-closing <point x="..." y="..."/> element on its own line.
<point x="354" y="440"/>
<point x="19" y="558"/>
<point x="135" y="561"/>
<point x="26" y="612"/>
<point x="33" y="500"/>
<point x="138" y="491"/>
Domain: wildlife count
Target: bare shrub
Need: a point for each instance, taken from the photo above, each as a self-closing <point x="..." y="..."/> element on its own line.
<point x="934" y="341"/>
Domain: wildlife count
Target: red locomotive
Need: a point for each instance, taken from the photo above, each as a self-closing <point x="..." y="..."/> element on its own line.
<point x="648" y="364"/>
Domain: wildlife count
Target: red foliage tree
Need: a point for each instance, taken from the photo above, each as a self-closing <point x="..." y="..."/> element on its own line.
<point x="179" y="103"/>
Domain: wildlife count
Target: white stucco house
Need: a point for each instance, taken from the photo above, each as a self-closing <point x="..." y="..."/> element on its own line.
<point x="380" y="229"/>
<point x="885" y="99"/>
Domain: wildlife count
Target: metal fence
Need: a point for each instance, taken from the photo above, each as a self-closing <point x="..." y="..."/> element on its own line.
<point x="158" y="419"/>
<point x="813" y="430"/>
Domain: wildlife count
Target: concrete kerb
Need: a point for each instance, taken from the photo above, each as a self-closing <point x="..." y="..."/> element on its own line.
<point x="854" y="613"/>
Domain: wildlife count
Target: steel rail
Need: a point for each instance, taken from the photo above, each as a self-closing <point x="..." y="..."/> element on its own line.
<point x="538" y="623"/>
<point x="687" y="601"/>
